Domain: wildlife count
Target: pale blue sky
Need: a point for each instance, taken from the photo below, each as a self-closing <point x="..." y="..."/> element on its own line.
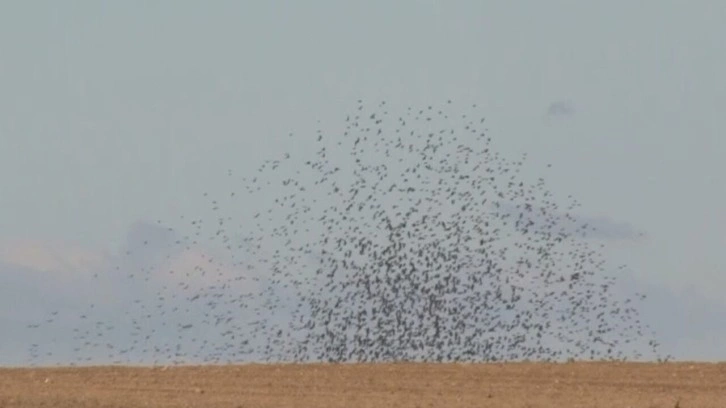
<point x="115" y="112"/>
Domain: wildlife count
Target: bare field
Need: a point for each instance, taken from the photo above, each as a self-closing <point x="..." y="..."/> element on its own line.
<point x="533" y="385"/>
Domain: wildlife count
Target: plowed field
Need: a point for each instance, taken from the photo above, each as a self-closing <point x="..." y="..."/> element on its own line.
<point x="683" y="385"/>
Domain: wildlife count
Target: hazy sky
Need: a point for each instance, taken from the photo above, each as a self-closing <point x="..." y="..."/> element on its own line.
<point x="117" y="112"/>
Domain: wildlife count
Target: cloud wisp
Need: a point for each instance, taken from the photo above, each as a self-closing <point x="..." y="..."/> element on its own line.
<point x="158" y="302"/>
<point x="529" y="218"/>
<point x="560" y="109"/>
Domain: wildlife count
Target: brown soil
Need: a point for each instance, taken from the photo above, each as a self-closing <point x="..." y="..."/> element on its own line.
<point x="620" y="385"/>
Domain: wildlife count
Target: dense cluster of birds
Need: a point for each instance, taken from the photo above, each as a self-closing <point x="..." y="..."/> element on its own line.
<point x="402" y="237"/>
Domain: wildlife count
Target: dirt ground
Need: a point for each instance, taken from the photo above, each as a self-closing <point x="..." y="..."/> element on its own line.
<point x="683" y="385"/>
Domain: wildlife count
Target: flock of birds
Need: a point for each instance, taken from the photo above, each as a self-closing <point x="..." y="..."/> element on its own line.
<point x="402" y="238"/>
